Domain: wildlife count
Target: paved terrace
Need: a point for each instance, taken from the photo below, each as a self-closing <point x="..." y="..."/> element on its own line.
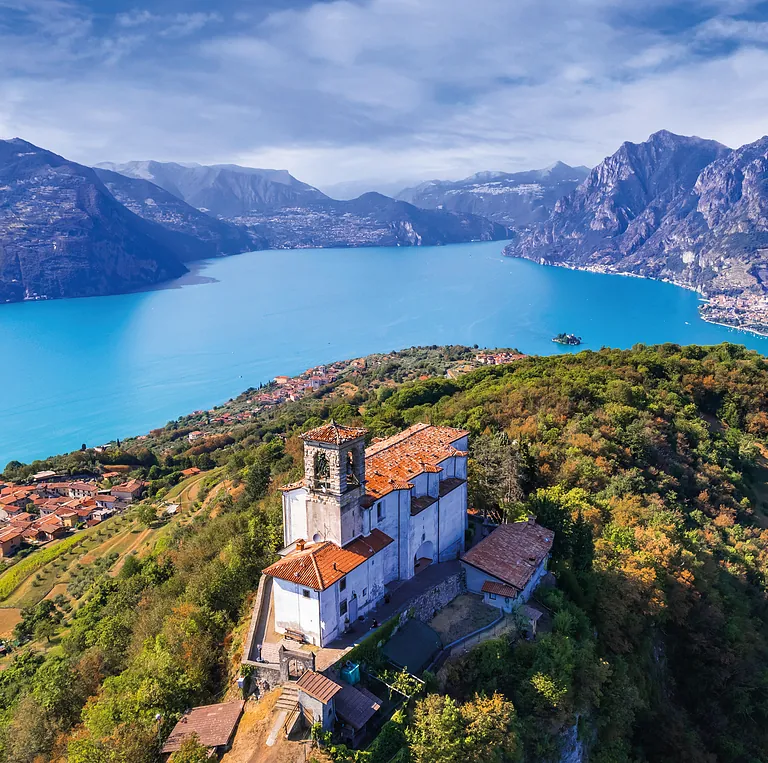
<point x="401" y="594"/>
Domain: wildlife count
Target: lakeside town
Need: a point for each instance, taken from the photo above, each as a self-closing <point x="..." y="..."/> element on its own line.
<point x="242" y="409"/>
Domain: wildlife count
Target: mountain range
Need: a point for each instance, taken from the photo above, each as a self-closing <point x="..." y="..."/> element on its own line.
<point x="515" y="199"/>
<point x="675" y="208"/>
<point x="67" y="230"/>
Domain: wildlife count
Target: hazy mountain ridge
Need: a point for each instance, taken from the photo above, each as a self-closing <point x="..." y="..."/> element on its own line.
<point x="516" y="199"/>
<point x="370" y="220"/>
<point x="280" y="211"/>
<point x="206" y="236"/>
<point x="224" y="190"/>
<point x="676" y="208"/>
<point x="62" y="234"/>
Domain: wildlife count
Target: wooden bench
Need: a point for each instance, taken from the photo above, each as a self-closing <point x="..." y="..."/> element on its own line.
<point x="295" y="635"/>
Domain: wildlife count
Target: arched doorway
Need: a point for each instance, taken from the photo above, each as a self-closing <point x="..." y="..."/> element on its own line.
<point x="423" y="557"/>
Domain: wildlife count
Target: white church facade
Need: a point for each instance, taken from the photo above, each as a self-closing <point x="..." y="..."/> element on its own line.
<point x="362" y="519"/>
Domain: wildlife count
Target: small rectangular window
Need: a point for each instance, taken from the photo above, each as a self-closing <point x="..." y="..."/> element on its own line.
<point x="343" y="607"/>
<point x="492" y="596"/>
<point x="305" y="593"/>
<point x="380" y="511"/>
<point x="343" y="584"/>
<point x="506" y="599"/>
<point x="365" y="592"/>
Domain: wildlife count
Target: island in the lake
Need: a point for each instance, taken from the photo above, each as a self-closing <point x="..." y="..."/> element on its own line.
<point x="570" y="339"/>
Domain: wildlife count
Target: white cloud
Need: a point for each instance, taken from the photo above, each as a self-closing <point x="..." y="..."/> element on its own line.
<point x="384" y="89"/>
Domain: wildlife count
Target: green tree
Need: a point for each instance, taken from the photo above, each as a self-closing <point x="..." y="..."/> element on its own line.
<point x="435" y="736"/>
<point x="191" y="751"/>
<point x="147" y="514"/>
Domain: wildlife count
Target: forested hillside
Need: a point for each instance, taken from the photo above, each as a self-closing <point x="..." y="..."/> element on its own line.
<point x="649" y="464"/>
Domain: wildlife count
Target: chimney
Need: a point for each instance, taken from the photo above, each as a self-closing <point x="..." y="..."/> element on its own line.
<point x="300" y="543"/>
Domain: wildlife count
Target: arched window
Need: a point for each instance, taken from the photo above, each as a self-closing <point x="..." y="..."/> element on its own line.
<point x="322" y="469"/>
<point x="351" y="476"/>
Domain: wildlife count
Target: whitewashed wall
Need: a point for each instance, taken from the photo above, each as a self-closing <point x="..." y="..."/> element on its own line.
<point x="294" y="610"/>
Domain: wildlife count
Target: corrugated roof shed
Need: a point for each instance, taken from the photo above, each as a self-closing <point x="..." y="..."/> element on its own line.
<point x="356" y="706"/>
<point x="318" y="686"/>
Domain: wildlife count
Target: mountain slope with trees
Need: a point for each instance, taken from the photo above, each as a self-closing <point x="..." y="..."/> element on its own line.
<point x="649" y="464"/>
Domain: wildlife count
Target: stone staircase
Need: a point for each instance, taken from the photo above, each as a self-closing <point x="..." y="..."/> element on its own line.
<point x="289" y="697"/>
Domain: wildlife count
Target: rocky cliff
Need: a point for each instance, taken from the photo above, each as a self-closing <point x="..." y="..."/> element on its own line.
<point x="62" y="234"/>
<point x="675" y="208"/>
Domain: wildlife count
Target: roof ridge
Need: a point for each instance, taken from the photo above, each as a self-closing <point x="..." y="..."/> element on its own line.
<point x="317" y="566"/>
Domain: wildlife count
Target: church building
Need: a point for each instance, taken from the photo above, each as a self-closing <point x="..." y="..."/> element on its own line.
<point x="362" y="519"/>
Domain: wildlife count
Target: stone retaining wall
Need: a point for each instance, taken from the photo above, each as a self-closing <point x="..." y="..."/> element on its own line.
<point x="425" y="606"/>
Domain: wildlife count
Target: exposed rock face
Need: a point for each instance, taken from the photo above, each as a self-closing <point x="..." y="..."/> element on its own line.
<point x="202" y="235"/>
<point x="512" y="199"/>
<point x="224" y="190"/>
<point x="370" y="220"/>
<point x="681" y="209"/>
<point x="62" y="234"/>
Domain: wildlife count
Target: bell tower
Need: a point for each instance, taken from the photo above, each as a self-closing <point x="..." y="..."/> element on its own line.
<point x="334" y="477"/>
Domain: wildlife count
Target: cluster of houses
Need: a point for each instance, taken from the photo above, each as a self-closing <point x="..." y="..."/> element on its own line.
<point x="46" y="510"/>
<point x="497" y="358"/>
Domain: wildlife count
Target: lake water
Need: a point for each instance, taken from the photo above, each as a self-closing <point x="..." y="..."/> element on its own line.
<point x="90" y="370"/>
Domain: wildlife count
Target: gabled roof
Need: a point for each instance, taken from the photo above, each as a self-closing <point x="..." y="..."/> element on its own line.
<point x="334" y="434"/>
<point x="213" y="724"/>
<point x="318" y="686"/>
<point x="356" y="705"/>
<point x="511" y="553"/>
<point x="391" y="464"/>
<point x="499" y="589"/>
<point x="320" y="565"/>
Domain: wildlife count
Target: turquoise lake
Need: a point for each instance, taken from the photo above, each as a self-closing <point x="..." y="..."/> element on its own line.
<point x="89" y="370"/>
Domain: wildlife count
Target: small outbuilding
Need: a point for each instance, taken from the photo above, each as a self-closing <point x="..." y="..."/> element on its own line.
<point x="214" y="725"/>
<point x="413" y="646"/>
<point x="507" y="566"/>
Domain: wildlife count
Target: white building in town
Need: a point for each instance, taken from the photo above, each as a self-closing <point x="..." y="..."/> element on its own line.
<point x="363" y="518"/>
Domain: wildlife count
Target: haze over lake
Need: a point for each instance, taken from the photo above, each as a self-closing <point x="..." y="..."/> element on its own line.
<point x="89" y="370"/>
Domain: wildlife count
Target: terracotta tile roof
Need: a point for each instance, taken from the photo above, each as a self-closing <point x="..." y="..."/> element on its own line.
<point x="369" y="545"/>
<point x="512" y="552"/>
<point x="334" y="434"/>
<point x="500" y="589"/>
<point x="10" y="534"/>
<point x="320" y="565"/>
<point x="213" y="724"/>
<point x="392" y="463"/>
<point x="318" y="686"/>
<point x="293" y="486"/>
<point x="356" y="706"/>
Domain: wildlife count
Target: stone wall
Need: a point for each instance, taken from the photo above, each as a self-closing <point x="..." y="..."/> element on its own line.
<point x="428" y="604"/>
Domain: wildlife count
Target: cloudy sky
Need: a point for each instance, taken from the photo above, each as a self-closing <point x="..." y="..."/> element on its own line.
<point x="380" y="91"/>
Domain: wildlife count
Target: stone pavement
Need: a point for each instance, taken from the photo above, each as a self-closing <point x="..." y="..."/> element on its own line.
<point x="400" y="597"/>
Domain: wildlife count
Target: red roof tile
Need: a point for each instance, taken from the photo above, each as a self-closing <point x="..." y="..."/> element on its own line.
<point x="320" y="565"/>
<point x="213" y="724"/>
<point x="334" y="434"/>
<point x="500" y="589"/>
<point x="392" y="463"/>
<point x="512" y="552"/>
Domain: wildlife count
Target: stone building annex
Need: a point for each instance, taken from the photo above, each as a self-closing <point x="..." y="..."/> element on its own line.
<point x="362" y="519"/>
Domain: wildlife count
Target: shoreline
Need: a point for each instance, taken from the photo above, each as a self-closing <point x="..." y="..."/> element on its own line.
<point x="600" y="271"/>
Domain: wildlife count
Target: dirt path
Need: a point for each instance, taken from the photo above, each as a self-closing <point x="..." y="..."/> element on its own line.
<point x="250" y="746"/>
<point x="140" y="538"/>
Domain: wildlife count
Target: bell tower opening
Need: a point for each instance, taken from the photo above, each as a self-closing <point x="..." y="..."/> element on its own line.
<point x="334" y="475"/>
